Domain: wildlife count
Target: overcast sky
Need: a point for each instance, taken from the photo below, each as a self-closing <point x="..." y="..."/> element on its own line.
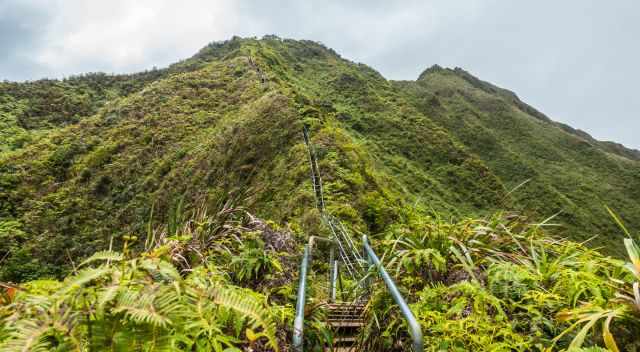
<point x="577" y="61"/>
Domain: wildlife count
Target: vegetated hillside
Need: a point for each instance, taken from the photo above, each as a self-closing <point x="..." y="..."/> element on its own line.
<point x="116" y="154"/>
<point x="31" y="109"/>
<point x="568" y="172"/>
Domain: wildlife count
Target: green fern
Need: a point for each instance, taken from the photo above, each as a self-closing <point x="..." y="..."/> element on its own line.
<point x="247" y="306"/>
<point x="108" y="256"/>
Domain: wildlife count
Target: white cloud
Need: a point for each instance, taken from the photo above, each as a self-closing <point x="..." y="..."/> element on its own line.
<point x="122" y="35"/>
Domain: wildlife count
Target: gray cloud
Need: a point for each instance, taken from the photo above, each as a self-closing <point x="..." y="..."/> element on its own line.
<point x="21" y="33"/>
<point x="574" y="60"/>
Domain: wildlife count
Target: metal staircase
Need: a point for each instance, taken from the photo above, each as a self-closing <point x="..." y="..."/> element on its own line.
<point x="345" y="317"/>
<point x="315" y="171"/>
<point x="350" y="257"/>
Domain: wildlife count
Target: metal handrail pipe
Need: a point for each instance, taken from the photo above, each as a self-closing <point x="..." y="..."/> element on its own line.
<point x="298" y="323"/>
<point x="414" y="327"/>
<point x="343" y="253"/>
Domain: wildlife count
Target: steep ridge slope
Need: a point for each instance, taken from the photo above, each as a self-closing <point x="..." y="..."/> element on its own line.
<point x="199" y="134"/>
<point x="31" y="109"/>
<point x="227" y="123"/>
<point x="419" y="158"/>
<point x="569" y="172"/>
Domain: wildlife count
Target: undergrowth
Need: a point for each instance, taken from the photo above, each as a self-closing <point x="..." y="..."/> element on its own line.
<point x="182" y="293"/>
<point x="501" y="284"/>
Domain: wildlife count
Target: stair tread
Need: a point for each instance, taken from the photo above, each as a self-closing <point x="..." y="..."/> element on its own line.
<point x="344" y="317"/>
<point x="346" y="304"/>
<point x="346" y="324"/>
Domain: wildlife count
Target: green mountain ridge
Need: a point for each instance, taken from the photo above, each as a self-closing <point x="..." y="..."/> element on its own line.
<point x="609" y="146"/>
<point x="97" y="157"/>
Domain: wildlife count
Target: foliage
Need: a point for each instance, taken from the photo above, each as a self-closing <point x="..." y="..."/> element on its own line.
<point x="505" y="285"/>
<point x="88" y="156"/>
<point x="153" y="301"/>
<point x="137" y="304"/>
<point x="625" y="307"/>
<point x="253" y="262"/>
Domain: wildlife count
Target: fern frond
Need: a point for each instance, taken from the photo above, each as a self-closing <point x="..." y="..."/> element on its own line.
<point x="246" y="306"/>
<point x="109" y="256"/>
<point x="107" y="295"/>
<point x="160" y="270"/>
<point x="140" y="308"/>
<point x="28" y="335"/>
<point x="81" y="278"/>
<point x="33" y="334"/>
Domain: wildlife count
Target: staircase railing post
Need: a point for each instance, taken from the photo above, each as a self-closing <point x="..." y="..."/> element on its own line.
<point x="414" y="327"/>
<point x="298" y="323"/>
<point x="332" y="274"/>
<point x="334" y="280"/>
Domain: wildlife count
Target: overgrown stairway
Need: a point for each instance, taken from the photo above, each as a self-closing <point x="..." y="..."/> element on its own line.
<point x="345" y="318"/>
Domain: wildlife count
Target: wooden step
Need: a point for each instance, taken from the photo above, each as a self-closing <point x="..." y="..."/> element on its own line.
<point x="345" y="318"/>
<point x="345" y="339"/>
<point x="346" y="324"/>
<point x="344" y="343"/>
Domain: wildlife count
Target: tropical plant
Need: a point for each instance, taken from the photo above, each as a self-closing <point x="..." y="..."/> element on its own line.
<point x="254" y="262"/>
<point x="626" y="306"/>
<point x="120" y="304"/>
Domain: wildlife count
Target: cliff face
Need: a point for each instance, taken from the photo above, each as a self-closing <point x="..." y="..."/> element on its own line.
<point x="98" y="157"/>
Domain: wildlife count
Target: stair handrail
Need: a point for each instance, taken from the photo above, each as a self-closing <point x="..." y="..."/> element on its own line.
<point x="344" y="254"/>
<point x="298" y="322"/>
<point x="414" y="327"/>
<point x="345" y="243"/>
<point x="315" y="170"/>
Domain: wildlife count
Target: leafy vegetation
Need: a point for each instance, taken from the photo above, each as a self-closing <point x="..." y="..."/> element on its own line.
<point x="500" y="284"/>
<point x="87" y="157"/>
<point x="176" y="295"/>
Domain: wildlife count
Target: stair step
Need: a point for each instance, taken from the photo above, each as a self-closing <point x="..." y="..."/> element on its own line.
<point x="346" y="324"/>
<point x="346" y="311"/>
<point x="343" y="339"/>
<point x="343" y="343"/>
<point x="343" y="320"/>
<point x="345" y="315"/>
<point x="347" y="304"/>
